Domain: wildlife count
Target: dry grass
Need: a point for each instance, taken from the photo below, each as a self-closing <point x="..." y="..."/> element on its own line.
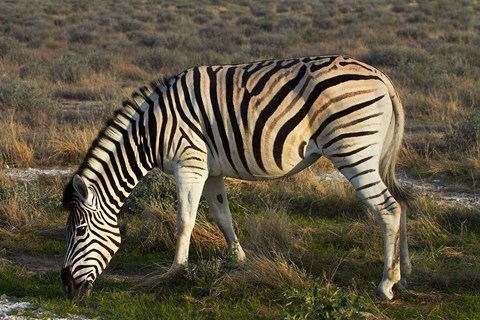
<point x="71" y="144"/>
<point x="269" y="273"/>
<point x="14" y="148"/>
<point x="272" y="231"/>
<point x="158" y="230"/>
<point x="12" y="215"/>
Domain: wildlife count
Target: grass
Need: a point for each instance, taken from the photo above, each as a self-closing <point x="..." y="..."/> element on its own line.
<point x="300" y="266"/>
<point x="65" y="68"/>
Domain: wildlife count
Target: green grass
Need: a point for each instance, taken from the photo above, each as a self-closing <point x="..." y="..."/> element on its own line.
<point x="312" y="265"/>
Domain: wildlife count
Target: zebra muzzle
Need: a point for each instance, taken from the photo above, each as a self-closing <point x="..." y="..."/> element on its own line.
<point x="72" y="289"/>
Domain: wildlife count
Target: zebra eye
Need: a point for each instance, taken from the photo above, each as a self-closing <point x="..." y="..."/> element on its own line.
<point x="81" y="231"/>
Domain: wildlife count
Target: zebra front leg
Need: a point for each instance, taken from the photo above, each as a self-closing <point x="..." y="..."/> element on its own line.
<point x="214" y="192"/>
<point x="189" y="191"/>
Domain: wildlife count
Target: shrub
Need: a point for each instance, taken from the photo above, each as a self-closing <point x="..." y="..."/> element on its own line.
<point x="394" y="56"/>
<point x="24" y="95"/>
<point x="324" y="303"/>
<point x="81" y="35"/>
<point x="163" y="60"/>
<point x="465" y="135"/>
<point x="69" y="68"/>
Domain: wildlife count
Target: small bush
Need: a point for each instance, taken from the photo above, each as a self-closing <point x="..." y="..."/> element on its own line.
<point x="70" y="69"/>
<point x="160" y="60"/>
<point x="465" y="135"/>
<point x="24" y="95"/>
<point x="81" y="35"/>
<point x="393" y="56"/>
<point x="324" y="303"/>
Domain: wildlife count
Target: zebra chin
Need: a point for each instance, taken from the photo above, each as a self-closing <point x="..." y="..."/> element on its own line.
<point x="73" y="290"/>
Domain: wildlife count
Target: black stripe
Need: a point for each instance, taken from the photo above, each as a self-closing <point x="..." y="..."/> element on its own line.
<point x="367" y="186"/>
<point x="389" y="207"/>
<point x="348" y="135"/>
<point x="120" y="159"/>
<point x="193" y="167"/>
<point x="128" y="149"/>
<point x="354" y="122"/>
<point x="316" y="67"/>
<point x="197" y="86"/>
<point x="268" y="111"/>
<point x="229" y="85"/>
<point x="347" y="154"/>
<point x="88" y="266"/>
<point x="218" y="116"/>
<point x="351" y="165"/>
<point x="105" y="195"/>
<point x="152" y="133"/>
<point x="190" y="147"/>
<point x="88" y="244"/>
<point x="288" y="127"/>
<point x="193" y="158"/>
<point x="386" y="200"/>
<point x="143" y="155"/>
<point x="147" y="145"/>
<point x="257" y="89"/>
<point x="346" y="63"/>
<point x="185" y="118"/>
<point x="186" y="95"/>
<point x="191" y="144"/>
<point x="361" y="174"/>
<point x="111" y="177"/>
<point x="342" y="114"/>
<point x="173" y="119"/>
<point x="161" y="139"/>
<point x="116" y="162"/>
<point x="377" y="195"/>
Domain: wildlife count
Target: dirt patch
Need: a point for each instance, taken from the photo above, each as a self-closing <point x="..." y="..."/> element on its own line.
<point x="33" y="174"/>
<point x="447" y="193"/>
<point x="12" y="309"/>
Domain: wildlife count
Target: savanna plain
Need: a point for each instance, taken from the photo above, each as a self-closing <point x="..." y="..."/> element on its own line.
<point x="314" y="251"/>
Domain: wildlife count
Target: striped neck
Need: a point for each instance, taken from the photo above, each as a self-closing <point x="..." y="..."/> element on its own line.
<point x="124" y="151"/>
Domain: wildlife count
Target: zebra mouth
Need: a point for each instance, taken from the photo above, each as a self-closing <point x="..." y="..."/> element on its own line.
<point x="73" y="290"/>
<point x="82" y="292"/>
<point x="85" y="290"/>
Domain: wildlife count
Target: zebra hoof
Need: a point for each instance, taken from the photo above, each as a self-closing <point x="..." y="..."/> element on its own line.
<point x="384" y="295"/>
<point x="402" y="284"/>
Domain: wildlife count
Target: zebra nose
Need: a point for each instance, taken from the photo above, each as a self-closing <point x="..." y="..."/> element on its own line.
<point x="68" y="283"/>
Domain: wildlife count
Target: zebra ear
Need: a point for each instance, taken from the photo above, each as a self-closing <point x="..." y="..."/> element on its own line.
<point x="80" y="186"/>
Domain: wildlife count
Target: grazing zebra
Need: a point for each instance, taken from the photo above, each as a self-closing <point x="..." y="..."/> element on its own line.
<point x="256" y="121"/>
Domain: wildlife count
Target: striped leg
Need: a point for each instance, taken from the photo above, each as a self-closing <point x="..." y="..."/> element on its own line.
<point x="371" y="189"/>
<point x="189" y="191"/>
<point x="214" y="192"/>
<point x="405" y="264"/>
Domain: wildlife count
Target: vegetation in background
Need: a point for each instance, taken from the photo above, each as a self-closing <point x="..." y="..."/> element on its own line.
<point x="314" y="251"/>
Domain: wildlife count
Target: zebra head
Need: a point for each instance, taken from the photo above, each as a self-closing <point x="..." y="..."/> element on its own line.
<point x="93" y="237"/>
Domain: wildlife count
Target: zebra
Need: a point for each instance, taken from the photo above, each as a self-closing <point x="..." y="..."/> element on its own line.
<point x="255" y="121"/>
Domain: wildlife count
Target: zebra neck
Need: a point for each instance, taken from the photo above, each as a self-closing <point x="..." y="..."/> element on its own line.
<point x="123" y="153"/>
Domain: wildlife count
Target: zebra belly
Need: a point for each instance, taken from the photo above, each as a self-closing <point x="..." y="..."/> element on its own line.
<point x="272" y="172"/>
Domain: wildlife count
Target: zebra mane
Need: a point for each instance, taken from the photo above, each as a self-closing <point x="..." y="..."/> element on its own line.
<point x="115" y="126"/>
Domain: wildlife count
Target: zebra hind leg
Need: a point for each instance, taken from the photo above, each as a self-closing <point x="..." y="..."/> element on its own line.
<point x="405" y="264"/>
<point x="371" y="189"/>
<point x="214" y="192"/>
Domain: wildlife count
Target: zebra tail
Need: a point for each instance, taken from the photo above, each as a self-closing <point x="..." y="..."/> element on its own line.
<point x="390" y="152"/>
